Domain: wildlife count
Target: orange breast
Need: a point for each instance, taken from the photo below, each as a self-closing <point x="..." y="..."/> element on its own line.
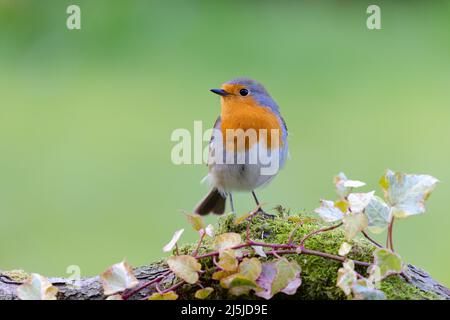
<point x="244" y="113"/>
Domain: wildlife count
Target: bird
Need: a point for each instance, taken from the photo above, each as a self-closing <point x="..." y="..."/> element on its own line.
<point x="246" y="106"/>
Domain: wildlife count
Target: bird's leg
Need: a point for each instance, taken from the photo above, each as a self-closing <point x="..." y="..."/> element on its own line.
<point x="260" y="210"/>
<point x="231" y="203"/>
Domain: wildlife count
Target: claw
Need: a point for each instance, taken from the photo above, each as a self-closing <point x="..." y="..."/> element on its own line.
<point x="265" y="214"/>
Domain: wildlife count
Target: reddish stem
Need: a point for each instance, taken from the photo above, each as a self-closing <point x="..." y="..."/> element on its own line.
<point x="291" y="236"/>
<point x="389" y="237"/>
<point x="286" y="249"/>
<point x="194" y="254"/>
<point x="309" y="235"/>
<point x="371" y="240"/>
<point x="216" y="264"/>
<point x="175" y="286"/>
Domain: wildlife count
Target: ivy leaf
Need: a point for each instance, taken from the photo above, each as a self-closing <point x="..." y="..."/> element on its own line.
<point x="259" y="250"/>
<point x="374" y="275"/>
<point x="227" y="260"/>
<point x="361" y="292"/>
<point x="279" y="276"/>
<point x="359" y="201"/>
<point x="328" y="211"/>
<point x="287" y="272"/>
<point x="344" y="249"/>
<point x="176" y="236"/>
<point x="203" y="293"/>
<point x="250" y="268"/>
<point x="245" y="280"/>
<point x="346" y="277"/>
<point x="353" y="224"/>
<point x="239" y="284"/>
<point x="171" y="295"/>
<point x="389" y="262"/>
<point x="378" y="215"/>
<point x="196" y="221"/>
<point x="185" y="267"/>
<point x="226" y="241"/>
<point x="406" y="193"/>
<point x="118" y="278"/>
<point x="37" y="287"/>
<point x="344" y="185"/>
<point x="218" y="275"/>
<point x="342" y="205"/>
<point x="209" y="230"/>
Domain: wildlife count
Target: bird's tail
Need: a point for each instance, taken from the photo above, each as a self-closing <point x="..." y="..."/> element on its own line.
<point x="213" y="202"/>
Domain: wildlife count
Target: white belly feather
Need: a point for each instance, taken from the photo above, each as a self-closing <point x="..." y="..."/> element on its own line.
<point x="246" y="175"/>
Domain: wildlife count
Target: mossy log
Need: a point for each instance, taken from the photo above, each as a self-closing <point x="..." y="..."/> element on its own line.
<point x="318" y="273"/>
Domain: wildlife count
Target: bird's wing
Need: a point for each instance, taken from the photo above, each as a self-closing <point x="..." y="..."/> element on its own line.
<point x="217" y="125"/>
<point x="284" y="124"/>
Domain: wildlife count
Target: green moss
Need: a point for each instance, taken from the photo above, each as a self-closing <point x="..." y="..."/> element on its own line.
<point x="396" y="288"/>
<point x="318" y="274"/>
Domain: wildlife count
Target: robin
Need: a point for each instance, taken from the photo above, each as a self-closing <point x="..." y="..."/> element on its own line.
<point x="246" y="107"/>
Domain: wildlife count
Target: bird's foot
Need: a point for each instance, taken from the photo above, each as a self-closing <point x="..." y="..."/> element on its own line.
<point x="264" y="214"/>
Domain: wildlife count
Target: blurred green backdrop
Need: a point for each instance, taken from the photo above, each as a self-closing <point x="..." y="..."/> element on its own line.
<point x="86" y="117"/>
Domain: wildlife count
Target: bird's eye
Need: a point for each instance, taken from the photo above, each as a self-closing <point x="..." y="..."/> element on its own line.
<point x="243" y="92"/>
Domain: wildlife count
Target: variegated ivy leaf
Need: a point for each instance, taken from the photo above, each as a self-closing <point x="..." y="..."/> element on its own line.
<point x="259" y="250"/>
<point x="349" y="264"/>
<point x="115" y="297"/>
<point x="279" y="276"/>
<point x="185" y="267"/>
<point x="171" y="295"/>
<point x="219" y="275"/>
<point x="227" y="260"/>
<point x="374" y="275"/>
<point x="344" y="249"/>
<point x="359" y="201"/>
<point x="342" y="205"/>
<point x="176" y="236"/>
<point x="244" y="280"/>
<point x="353" y="224"/>
<point x="378" y="215"/>
<point x="203" y="293"/>
<point x="196" y="221"/>
<point x="37" y="287"/>
<point x="226" y="241"/>
<point x="209" y="230"/>
<point x="406" y="193"/>
<point x="250" y="268"/>
<point x="346" y="277"/>
<point x="329" y="212"/>
<point x="344" y="185"/>
<point x="238" y="284"/>
<point x="118" y="278"/>
<point x="362" y="292"/>
<point x="389" y="262"/>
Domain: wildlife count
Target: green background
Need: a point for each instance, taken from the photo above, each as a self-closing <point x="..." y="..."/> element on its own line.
<point x="86" y="116"/>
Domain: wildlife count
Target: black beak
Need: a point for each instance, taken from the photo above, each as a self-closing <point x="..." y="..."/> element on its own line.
<point x="220" y="92"/>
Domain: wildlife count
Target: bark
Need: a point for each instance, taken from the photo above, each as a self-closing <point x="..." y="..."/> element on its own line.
<point x="91" y="289"/>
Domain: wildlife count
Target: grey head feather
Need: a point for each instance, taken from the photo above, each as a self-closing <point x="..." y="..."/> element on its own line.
<point x="258" y="91"/>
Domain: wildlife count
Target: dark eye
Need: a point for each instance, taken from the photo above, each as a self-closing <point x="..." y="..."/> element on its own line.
<point x="243" y="92"/>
